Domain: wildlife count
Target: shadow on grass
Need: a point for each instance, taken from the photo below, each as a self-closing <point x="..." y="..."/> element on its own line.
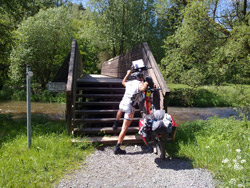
<point x="185" y="135"/>
<point x="10" y="127"/>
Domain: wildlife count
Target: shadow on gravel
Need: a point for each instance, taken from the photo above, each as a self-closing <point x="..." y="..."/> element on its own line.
<point x="144" y="150"/>
<point x="174" y="164"/>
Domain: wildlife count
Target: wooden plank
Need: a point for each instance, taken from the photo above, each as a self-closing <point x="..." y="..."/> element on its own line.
<point x="117" y="65"/>
<point x="71" y="67"/>
<point x="100" y="120"/>
<point x="100" y="95"/>
<point x="156" y="68"/>
<point x="102" y="89"/>
<point x="69" y="112"/>
<point x="96" y="111"/>
<point x="101" y="103"/>
<point x="151" y="72"/>
<point x="111" y="139"/>
<point x="101" y="80"/>
<point x="100" y="111"/>
<point x="104" y="130"/>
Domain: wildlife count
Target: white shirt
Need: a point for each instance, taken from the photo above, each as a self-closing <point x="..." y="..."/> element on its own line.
<point x="132" y="87"/>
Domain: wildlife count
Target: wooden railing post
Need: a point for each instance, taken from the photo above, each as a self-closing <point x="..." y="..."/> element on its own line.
<point x="155" y="73"/>
<point x="74" y="72"/>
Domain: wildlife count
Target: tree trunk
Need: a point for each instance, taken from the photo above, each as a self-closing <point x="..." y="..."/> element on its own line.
<point x="245" y="8"/>
<point x="123" y="28"/>
<point x="215" y="8"/>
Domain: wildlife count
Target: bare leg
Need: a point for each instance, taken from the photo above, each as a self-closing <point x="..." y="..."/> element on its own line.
<point x="125" y="126"/>
<point x="119" y="114"/>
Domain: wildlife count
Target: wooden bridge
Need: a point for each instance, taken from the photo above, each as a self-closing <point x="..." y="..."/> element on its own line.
<point x="92" y="100"/>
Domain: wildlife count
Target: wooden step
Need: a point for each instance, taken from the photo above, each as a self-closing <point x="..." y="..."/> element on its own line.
<point x="99" y="79"/>
<point x="101" y="89"/>
<point x="112" y="139"/>
<point x="99" y="103"/>
<point x="107" y="130"/>
<point x="100" y="95"/>
<point x="101" y="120"/>
<point x="99" y="111"/>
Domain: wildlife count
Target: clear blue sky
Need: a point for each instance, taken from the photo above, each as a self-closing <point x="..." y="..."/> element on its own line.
<point x="80" y="1"/>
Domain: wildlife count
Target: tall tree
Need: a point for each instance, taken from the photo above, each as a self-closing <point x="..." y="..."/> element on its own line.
<point x="211" y="45"/>
<point x="42" y="41"/>
<point x="121" y="24"/>
<point x="12" y="13"/>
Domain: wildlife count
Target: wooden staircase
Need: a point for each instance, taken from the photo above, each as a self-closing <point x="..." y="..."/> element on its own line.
<point x="96" y="105"/>
<point x="92" y="100"/>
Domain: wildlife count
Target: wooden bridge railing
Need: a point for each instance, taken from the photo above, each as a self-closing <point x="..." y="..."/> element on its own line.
<point x="118" y="66"/>
<point x="74" y="72"/>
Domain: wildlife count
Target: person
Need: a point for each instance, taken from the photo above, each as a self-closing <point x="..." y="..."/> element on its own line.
<point x="132" y="87"/>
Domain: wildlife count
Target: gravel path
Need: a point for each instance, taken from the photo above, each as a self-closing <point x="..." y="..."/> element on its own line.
<point x="137" y="168"/>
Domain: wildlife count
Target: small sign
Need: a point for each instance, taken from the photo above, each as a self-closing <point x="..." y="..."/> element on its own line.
<point x="56" y="86"/>
<point x="138" y="64"/>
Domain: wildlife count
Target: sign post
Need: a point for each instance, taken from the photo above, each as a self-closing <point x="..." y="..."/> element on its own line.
<point x="28" y="75"/>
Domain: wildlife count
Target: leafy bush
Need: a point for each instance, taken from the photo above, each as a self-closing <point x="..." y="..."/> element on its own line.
<point x="5" y="94"/>
<point x="42" y="41"/>
<point x="195" y="97"/>
<point x="18" y="93"/>
<point x="209" y="96"/>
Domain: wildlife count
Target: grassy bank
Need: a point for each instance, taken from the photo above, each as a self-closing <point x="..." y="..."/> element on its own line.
<point x="209" y="96"/>
<point x="52" y="153"/>
<point x="220" y="145"/>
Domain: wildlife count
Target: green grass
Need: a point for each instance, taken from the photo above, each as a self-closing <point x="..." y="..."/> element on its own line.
<point x="51" y="155"/>
<point x="209" y="96"/>
<point x="220" y="145"/>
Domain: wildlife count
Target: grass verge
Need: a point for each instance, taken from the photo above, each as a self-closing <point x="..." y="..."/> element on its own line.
<point x="220" y="145"/>
<point x="51" y="155"/>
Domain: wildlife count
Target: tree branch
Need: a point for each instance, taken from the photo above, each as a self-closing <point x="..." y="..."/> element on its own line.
<point x="215" y="8"/>
<point x="218" y="26"/>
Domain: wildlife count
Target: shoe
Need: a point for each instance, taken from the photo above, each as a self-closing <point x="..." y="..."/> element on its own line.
<point x="115" y="125"/>
<point x="119" y="151"/>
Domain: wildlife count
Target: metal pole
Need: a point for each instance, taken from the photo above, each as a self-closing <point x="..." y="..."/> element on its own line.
<point x="28" y="106"/>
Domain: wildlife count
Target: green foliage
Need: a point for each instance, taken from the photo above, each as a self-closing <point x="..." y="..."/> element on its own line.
<point x="189" y="48"/>
<point x="5" y="94"/>
<point x="87" y="48"/>
<point x="47" y="96"/>
<point x="116" y="26"/>
<point x="42" y="41"/>
<point x="12" y="13"/>
<point x="210" y="96"/>
<point x="51" y="155"/>
<point x="202" y="51"/>
<point x="169" y="18"/>
<point x="18" y="93"/>
<point x="220" y="145"/>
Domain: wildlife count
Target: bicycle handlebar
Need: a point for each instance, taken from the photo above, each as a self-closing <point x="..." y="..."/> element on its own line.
<point x="152" y="90"/>
<point x="140" y="69"/>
